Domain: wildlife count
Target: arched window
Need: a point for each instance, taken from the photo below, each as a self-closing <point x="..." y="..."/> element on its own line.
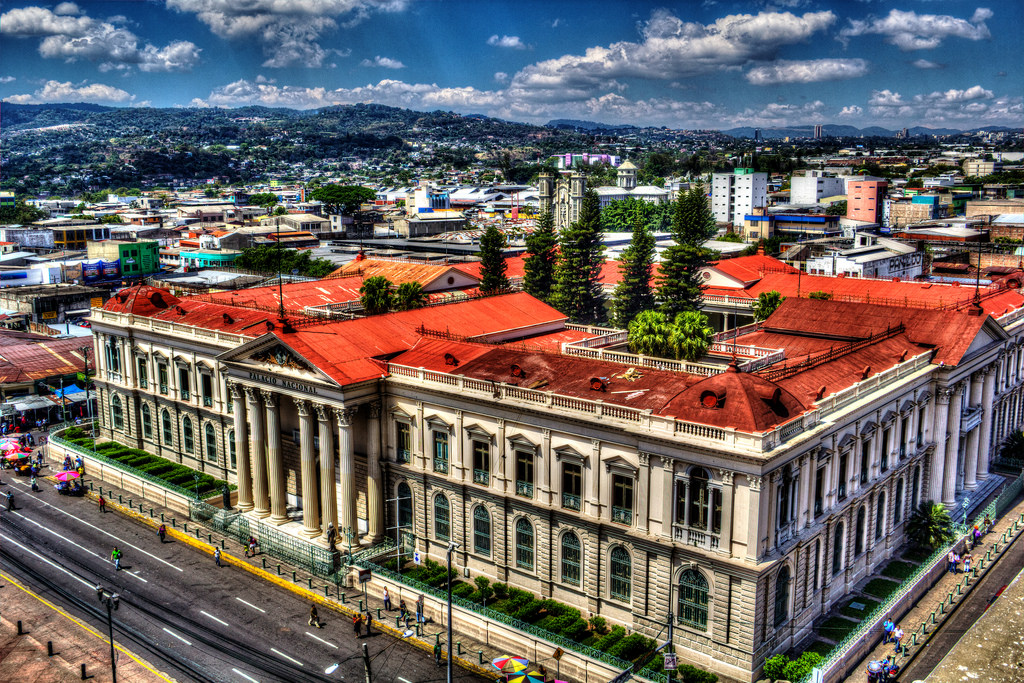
<point x="211" y="442"/>
<point x="232" y="453"/>
<point x="837" y="550"/>
<point x="405" y="507"/>
<point x="571" y="559"/>
<point x="442" y="518"/>
<point x="897" y="515"/>
<point x="880" y="516"/>
<point x="187" y="436"/>
<point x="481" y="531"/>
<point x="699" y="498"/>
<point x="166" y="428"/>
<point x="147" y="422"/>
<point x="858" y="538"/>
<point x="116" y="413"/>
<point x="915" y="478"/>
<point x="693" y="599"/>
<point x="782" y="596"/>
<point x="524" y="544"/>
<point x="621" y="574"/>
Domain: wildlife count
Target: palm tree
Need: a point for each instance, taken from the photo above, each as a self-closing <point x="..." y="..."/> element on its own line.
<point x="929" y="526"/>
<point x="408" y="296"/>
<point x="766" y="304"/>
<point x="649" y="333"/>
<point x="1013" y="446"/>
<point x="690" y="335"/>
<point x="375" y="294"/>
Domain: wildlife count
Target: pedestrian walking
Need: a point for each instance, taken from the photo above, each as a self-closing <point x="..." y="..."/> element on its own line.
<point x="437" y="653"/>
<point x="103" y="504"/>
<point x="956" y="562"/>
<point x="216" y="556"/>
<point x="369" y="620"/>
<point x="967" y="563"/>
<point x="357" y="624"/>
<point x="951" y="562"/>
<point x="314" y="617"/>
<point x="403" y="611"/>
<point x="977" y="536"/>
<point x="887" y="626"/>
<point x="115" y="555"/>
<point x="250" y="550"/>
<point x="162" y="532"/>
<point x="897" y="636"/>
<point x="987" y="524"/>
<point x="387" y="600"/>
<point x="10" y="501"/>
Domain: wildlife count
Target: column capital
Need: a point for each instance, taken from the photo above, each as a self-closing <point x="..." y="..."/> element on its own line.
<point x="755" y="482"/>
<point x="302" y="405"/>
<point x="269" y="399"/>
<point x="236" y="389"/>
<point x="344" y="416"/>
<point x="645" y="458"/>
<point x="726" y="476"/>
<point x="942" y="396"/>
<point x="323" y="412"/>
<point x="251" y="393"/>
<point x="375" y="409"/>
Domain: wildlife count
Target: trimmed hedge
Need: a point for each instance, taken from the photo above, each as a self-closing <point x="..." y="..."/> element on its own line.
<point x="899" y="570"/>
<point x="881" y="588"/>
<point x="837" y="628"/>
<point x="917" y="555"/>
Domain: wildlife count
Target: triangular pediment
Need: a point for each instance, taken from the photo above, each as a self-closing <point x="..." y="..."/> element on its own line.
<point x="270" y="354"/>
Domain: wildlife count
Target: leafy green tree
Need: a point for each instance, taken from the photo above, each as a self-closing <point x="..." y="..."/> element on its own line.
<point x="280" y="211"/>
<point x="577" y="289"/>
<point x="731" y="237"/>
<point x="271" y="259"/>
<point x="21" y="214"/>
<point x="264" y="199"/>
<point x="775" y="667"/>
<point x="820" y="295"/>
<point x="492" y="261"/>
<point x="929" y="526"/>
<point x="836" y="209"/>
<point x="1013" y="446"/>
<point x="693" y="223"/>
<point x="690" y="336"/>
<point x="634" y="294"/>
<point x="800" y="668"/>
<point x="375" y="295"/>
<point x="539" y="266"/>
<point x="621" y="215"/>
<point x="112" y="218"/>
<point x="649" y="333"/>
<point x="408" y="296"/>
<point x="343" y="199"/>
<point x="211" y="192"/>
<point x="766" y="304"/>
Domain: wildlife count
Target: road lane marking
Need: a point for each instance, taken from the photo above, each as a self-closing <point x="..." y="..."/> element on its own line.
<point x="214" y="618"/>
<point x="178" y="637"/>
<point x="245" y="676"/>
<point x="103" y="531"/>
<point x="316" y="637"/>
<point x="251" y="605"/>
<point x="136" y="575"/>
<point x="291" y="659"/>
<point x="52" y="564"/>
<point x="403" y="680"/>
<point x="60" y="536"/>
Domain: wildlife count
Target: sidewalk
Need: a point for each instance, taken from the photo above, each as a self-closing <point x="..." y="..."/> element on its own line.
<point x="476" y="655"/>
<point x="938" y="595"/>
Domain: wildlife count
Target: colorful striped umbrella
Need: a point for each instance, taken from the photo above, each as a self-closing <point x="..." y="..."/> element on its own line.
<point x="509" y="664"/>
<point x="533" y="676"/>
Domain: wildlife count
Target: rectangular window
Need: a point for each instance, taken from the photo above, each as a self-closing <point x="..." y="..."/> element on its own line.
<point x="819" y="491"/>
<point x="841" y="488"/>
<point x="403" y="442"/>
<point x="885" y="450"/>
<point x="441" y="452"/>
<point x="903" y="438"/>
<point x="920" y="427"/>
<point x="481" y="462"/>
<point x="184" y="384"/>
<point x="572" y="486"/>
<point x="524" y="474"/>
<point x="161" y="370"/>
<point x="140" y="364"/>
<point x="680" y="502"/>
<point x="207" y="384"/>
<point x="865" y="461"/>
<point x="228" y="402"/>
<point x="622" y="499"/>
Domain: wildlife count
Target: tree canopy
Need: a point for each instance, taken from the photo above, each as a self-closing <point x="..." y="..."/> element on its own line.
<point x="343" y="199"/>
<point x="408" y="296"/>
<point x="375" y="295"/>
<point x="539" y="266"/>
<point x="679" y="285"/>
<point x="492" y="261"/>
<point x="264" y="199"/>
<point x="766" y="304"/>
<point x="688" y="336"/>
<point x="577" y="289"/>
<point x="634" y="294"/>
<point x="20" y="214"/>
<point x="621" y="215"/>
<point x="269" y="259"/>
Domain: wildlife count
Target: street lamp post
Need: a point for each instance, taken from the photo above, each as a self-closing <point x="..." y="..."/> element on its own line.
<point x="196" y="478"/>
<point x="451" y="548"/>
<point x="967" y="501"/>
<point x="111" y="601"/>
<point x="88" y="403"/>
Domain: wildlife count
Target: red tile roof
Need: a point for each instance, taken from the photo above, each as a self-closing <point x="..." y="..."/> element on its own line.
<point x="749" y="269"/>
<point x="34" y="360"/>
<point x="397" y="271"/>
<point x="297" y="295"/>
<point x="514" y="267"/>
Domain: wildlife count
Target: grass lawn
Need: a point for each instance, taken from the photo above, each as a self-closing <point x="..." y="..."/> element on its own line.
<point x="820" y="647"/>
<point x="869" y="606"/>
<point x="836" y="628"/>
<point x="918" y="555"/>
<point x="881" y="588"/>
<point x="899" y="570"/>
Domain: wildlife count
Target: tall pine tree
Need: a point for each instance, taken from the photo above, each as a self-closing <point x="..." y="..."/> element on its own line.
<point x="577" y="290"/>
<point x="633" y="294"/>
<point x="539" y="266"/>
<point x="693" y="223"/>
<point x="492" y="261"/>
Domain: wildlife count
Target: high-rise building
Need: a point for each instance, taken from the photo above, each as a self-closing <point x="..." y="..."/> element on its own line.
<point x="864" y="198"/>
<point x="817" y="132"/>
<point x="736" y="194"/>
<point x="812" y="186"/>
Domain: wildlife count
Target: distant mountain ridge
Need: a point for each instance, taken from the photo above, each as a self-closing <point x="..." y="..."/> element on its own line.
<point x="577" y="124"/>
<point x="837" y="130"/>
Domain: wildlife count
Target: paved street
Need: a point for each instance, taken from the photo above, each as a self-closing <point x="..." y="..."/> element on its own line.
<point x="214" y="623"/>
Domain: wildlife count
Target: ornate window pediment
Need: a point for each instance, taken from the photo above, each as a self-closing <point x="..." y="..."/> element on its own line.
<point x="889" y="416"/>
<point x="907" y="406"/>
<point x="436" y="424"/>
<point x="520" y="442"/>
<point x="475" y="431"/>
<point x="570" y="454"/>
<point x="619" y="465"/>
<point x="846" y="442"/>
<point x="399" y="414"/>
<point x="868" y="428"/>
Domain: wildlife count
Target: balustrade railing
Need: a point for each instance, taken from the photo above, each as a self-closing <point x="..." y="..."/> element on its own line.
<point x="482" y="477"/>
<point x="622" y="515"/>
<point x="524" y="488"/>
<point x="570" y="502"/>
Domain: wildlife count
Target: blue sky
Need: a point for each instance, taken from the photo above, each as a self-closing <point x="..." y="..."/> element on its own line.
<point x="693" y="64"/>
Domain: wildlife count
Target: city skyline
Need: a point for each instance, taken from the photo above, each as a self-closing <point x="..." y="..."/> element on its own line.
<point x="696" y="65"/>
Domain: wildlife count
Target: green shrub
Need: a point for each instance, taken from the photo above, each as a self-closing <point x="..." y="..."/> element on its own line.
<point x="501" y="591"/>
<point x="632" y="646"/>
<point x="798" y="669"/>
<point x="607" y="642"/>
<point x="598" y="625"/>
<point x="462" y="590"/>
<point x="918" y="555"/>
<point x="820" y="647"/>
<point x="73" y="433"/>
<point x="881" y="588"/>
<point x="576" y="629"/>
<point x="775" y="667"/>
<point x="688" y="673"/>
<point x="483" y="588"/>
<point x="899" y="570"/>
<point x="836" y="628"/>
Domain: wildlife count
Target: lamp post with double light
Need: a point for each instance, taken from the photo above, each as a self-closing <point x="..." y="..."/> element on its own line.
<point x="111" y="601"/>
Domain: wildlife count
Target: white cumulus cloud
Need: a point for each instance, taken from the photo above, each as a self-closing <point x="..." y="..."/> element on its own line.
<point x="851" y="111"/>
<point x="56" y="91"/>
<point x="952" y="106"/>
<point x="909" y="30"/>
<point x="807" y="71"/>
<point x="514" y="42"/>
<point x="385" y="62"/>
<point x="927" y="64"/>
<point x="111" y="46"/>
<point x="67" y="8"/>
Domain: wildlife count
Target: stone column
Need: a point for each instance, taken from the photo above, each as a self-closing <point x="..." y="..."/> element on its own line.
<point x="971" y="459"/>
<point x="275" y="466"/>
<point x="952" y="446"/>
<point x="643" y="477"/>
<point x="937" y="474"/>
<point x="242" y="447"/>
<point x="374" y="481"/>
<point x="595" y="480"/>
<point x="755" y="516"/>
<point x="346" y="472"/>
<point x="261" y="496"/>
<point x="725" y="540"/>
<point x="803" y="513"/>
<point x="458" y="447"/>
<point x="985" y="445"/>
<point x="307" y="459"/>
<point x="328" y="490"/>
<point x="544" y="469"/>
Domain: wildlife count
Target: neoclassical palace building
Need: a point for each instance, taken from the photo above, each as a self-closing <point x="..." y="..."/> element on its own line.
<point x="746" y="503"/>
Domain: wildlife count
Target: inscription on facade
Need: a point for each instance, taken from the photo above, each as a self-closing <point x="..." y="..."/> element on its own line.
<point x="282" y="382"/>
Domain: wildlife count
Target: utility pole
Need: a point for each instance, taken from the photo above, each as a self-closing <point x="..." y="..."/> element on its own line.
<point x="111" y="601"/>
<point x="451" y="548"/>
<point x="366" y="662"/>
<point x="88" y="403"/>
